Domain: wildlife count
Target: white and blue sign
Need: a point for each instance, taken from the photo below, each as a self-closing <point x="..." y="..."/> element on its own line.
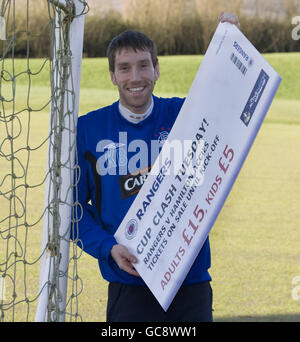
<point x="176" y="208"/>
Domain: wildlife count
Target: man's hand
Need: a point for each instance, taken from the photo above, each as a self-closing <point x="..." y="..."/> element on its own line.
<point x="124" y="259"/>
<point x="229" y="18"/>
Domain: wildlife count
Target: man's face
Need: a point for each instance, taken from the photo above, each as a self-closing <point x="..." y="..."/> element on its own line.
<point x="135" y="77"/>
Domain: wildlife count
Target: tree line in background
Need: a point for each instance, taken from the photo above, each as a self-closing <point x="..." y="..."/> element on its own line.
<point x="177" y="26"/>
<point x="187" y="34"/>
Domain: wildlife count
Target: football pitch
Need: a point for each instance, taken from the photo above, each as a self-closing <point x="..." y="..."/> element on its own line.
<point x="255" y="241"/>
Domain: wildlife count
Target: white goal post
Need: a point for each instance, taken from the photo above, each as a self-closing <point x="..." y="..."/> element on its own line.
<point x="57" y="226"/>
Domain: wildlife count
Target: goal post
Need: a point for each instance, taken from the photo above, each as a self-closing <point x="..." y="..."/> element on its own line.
<point x="57" y="224"/>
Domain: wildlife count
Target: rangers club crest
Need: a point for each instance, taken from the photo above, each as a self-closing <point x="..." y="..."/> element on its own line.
<point x="163" y="136"/>
<point x="131" y="229"/>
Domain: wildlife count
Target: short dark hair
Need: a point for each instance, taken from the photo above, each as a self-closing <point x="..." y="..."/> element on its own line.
<point x="134" y="40"/>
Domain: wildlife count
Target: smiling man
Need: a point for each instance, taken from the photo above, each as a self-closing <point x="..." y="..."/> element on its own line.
<point x="135" y="75"/>
<point x="141" y="119"/>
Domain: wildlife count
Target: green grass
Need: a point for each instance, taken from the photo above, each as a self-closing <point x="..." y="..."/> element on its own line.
<point x="177" y="73"/>
<point x="255" y="240"/>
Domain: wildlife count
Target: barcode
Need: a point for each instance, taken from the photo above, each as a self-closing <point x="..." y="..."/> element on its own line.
<point x="238" y="63"/>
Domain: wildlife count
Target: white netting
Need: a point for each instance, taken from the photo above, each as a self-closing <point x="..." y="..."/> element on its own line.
<point x="35" y="94"/>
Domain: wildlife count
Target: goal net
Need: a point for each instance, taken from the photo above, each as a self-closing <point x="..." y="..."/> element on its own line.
<point x="41" y="49"/>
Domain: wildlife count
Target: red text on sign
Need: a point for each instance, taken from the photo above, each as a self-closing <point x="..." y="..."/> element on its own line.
<point x="228" y="154"/>
<point x="172" y="268"/>
<point x="224" y="163"/>
<point x="189" y="232"/>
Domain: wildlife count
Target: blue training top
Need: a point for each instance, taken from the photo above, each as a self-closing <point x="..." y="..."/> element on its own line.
<point x="110" y="149"/>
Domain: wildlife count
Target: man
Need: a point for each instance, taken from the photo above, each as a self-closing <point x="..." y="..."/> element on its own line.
<point x="114" y="155"/>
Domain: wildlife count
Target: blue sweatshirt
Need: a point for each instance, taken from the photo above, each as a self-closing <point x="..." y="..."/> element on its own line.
<point x="114" y="156"/>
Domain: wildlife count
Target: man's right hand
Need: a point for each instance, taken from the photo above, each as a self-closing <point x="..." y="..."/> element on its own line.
<point x="124" y="259"/>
